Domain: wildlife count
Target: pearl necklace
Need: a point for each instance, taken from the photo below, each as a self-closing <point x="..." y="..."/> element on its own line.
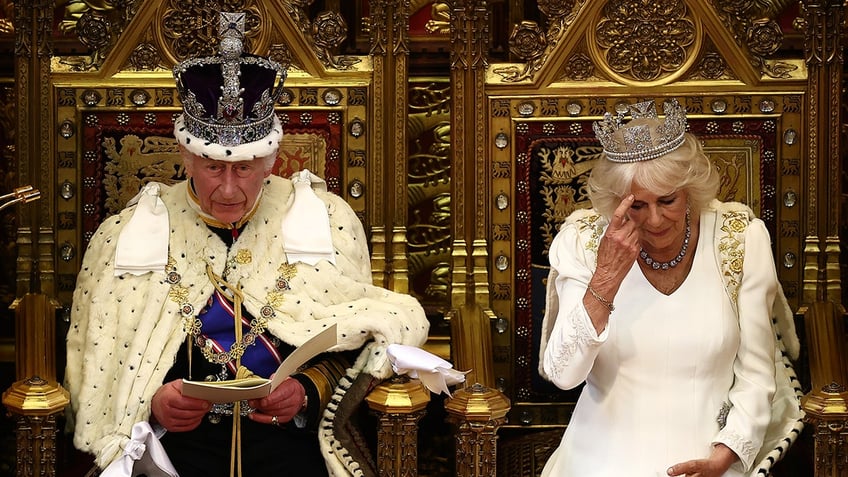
<point x="676" y="260"/>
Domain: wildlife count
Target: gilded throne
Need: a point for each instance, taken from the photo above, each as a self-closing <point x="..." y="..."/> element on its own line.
<point x="460" y="132"/>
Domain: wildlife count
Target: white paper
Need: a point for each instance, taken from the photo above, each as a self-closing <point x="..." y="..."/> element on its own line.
<point x="255" y="387"/>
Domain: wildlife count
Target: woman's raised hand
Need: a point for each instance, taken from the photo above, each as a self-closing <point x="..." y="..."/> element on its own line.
<point x="619" y="247"/>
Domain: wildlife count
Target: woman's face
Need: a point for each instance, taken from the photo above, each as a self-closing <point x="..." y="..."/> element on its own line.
<point x="227" y="190"/>
<point x="661" y="219"/>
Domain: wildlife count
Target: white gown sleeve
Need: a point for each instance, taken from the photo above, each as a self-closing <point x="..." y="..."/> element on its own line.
<point x="753" y="369"/>
<point x="573" y="344"/>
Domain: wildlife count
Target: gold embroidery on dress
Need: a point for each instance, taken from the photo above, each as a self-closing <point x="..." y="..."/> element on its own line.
<point x="591" y="222"/>
<point x="732" y="253"/>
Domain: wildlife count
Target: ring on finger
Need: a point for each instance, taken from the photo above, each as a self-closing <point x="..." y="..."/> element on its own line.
<point x="274" y="421"/>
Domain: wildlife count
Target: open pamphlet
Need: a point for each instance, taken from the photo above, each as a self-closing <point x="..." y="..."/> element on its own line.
<point x="255" y="387"/>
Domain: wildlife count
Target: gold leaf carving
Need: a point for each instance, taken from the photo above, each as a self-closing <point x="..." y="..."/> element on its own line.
<point x="646" y="41"/>
<point x="134" y="162"/>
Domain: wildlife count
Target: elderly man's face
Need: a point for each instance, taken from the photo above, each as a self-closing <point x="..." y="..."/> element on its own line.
<point x="226" y="190"/>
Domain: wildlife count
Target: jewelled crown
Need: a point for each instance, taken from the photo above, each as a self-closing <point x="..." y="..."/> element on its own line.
<point x="634" y="143"/>
<point x="228" y="99"/>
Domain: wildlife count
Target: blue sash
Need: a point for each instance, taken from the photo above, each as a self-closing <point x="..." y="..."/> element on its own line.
<point x="260" y="355"/>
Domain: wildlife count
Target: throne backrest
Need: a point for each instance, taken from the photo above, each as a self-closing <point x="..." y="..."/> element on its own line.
<point x="124" y="150"/>
<point x="557" y="158"/>
<point x="541" y="148"/>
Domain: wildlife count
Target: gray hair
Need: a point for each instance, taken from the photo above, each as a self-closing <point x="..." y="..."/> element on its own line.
<point x="267" y="161"/>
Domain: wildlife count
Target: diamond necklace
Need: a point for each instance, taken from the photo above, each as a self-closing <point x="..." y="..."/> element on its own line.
<point x="676" y="260"/>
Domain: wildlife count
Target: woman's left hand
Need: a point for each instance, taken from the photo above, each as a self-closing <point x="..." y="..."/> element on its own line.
<point x="281" y="405"/>
<point x="719" y="461"/>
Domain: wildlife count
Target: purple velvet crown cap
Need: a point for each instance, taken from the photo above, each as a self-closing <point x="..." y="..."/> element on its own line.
<point x="228" y="100"/>
<point x="205" y="82"/>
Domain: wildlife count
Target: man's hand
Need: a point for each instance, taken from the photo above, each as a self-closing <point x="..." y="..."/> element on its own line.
<point x="176" y="412"/>
<point x="281" y="405"/>
<point x="720" y="460"/>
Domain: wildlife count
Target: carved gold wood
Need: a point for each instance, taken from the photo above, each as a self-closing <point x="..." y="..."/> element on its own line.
<point x="429" y="174"/>
<point x="36" y="445"/>
<point x="8" y="217"/>
<point x="584" y="70"/>
<point x="399" y="404"/>
<point x="33" y="47"/>
<point x="826" y="405"/>
<point x="824" y="56"/>
<point x="645" y="44"/>
<point x="477" y="412"/>
<point x="827" y="413"/>
<point x="390" y="55"/>
<point x="470" y="250"/>
<point x="36" y="398"/>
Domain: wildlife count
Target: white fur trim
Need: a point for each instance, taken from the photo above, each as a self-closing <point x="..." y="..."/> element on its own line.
<point x="243" y="152"/>
<point x="125" y="332"/>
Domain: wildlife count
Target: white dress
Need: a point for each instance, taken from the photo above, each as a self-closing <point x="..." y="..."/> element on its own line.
<point x="660" y="374"/>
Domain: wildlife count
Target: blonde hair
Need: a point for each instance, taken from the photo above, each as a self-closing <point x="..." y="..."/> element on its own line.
<point x="686" y="168"/>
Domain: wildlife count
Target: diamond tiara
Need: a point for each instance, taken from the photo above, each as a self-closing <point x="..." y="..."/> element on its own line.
<point x="228" y="99"/>
<point x="623" y="143"/>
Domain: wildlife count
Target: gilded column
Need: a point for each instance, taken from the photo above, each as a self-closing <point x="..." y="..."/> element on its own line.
<point x="470" y="301"/>
<point x="379" y="36"/>
<point x="33" y="50"/>
<point x="826" y="406"/>
<point x="823" y="55"/>
<point x="477" y="412"/>
<point x="399" y="403"/>
<point x="389" y="23"/>
<point x="36" y="399"/>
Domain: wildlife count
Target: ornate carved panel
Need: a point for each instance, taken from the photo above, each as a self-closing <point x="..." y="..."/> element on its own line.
<point x="428" y="232"/>
<point x="541" y="158"/>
